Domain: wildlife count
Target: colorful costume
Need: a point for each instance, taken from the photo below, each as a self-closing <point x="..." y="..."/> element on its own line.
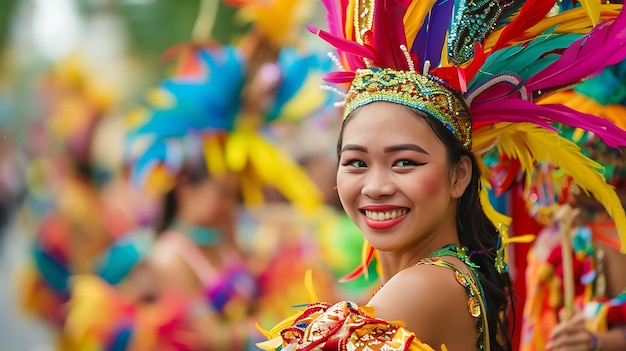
<point x="602" y="96"/>
<point x="477" y="68"/>
<point x="76" y="227"/>
<point x="347" y="326"/>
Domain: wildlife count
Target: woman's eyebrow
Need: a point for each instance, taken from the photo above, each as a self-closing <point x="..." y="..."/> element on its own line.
<point x="354" y="147"/>
<point x="401" y="147"/>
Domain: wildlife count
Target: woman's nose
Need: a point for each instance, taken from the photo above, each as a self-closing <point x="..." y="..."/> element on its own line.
<point x="378" y="184"/>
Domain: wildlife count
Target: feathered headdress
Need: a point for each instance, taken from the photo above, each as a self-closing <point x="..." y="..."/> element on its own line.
<point x="478" y="66"/>
<point x="216" y="107"/>
<point x="605" y="96"/>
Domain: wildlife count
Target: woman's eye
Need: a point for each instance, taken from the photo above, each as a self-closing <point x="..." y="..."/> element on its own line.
<point x="354" y="163"/>
<point x="406" y="163"/>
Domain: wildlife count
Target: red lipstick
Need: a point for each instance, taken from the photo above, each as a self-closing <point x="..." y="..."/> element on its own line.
<point x="384" y="224"/>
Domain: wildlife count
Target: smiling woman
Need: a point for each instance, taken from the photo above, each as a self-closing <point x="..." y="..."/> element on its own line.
<point x="403" y="191"/>
<point x="396" y="159"/>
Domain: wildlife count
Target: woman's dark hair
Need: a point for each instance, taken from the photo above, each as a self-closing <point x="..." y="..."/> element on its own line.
<point x="192" y="174"/>
<point x="478" y="234"/>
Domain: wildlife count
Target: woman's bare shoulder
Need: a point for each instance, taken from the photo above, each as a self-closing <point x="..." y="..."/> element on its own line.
<point x="431" y="303"/>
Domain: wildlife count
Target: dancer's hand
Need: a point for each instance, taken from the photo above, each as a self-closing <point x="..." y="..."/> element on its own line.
<point x="571" y="335"/>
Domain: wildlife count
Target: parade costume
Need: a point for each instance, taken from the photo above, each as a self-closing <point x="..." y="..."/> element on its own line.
<point x="603" y="96"/>
<point x="476" y="67"/>
<point x="76" y="228"/>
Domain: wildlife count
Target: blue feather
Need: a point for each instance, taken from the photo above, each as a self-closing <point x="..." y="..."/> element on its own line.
<point x="430" y="39"/>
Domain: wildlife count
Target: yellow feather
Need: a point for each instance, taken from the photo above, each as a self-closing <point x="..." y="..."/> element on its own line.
<point x="271" y="344"/>
<point x="275" y="340"/>
<point x="309" y="98"/>
<point x="214" y="155"/>
<point x="593" y="10"/>
<point x="251" y="188"/>
<point x="526" y="141"/>
<point x="414" y="18"/>
<point x="160" y="98"/>
<point x="275" y="331"/>
<point x="308" y="283"/>
<point x="509" y="142"/>
<point x="364" y="253"/>
<point x="236" y="152"/>
<point x="547" y="146"/>
<point x="264" y="158"/>
<point x="494" y="216"/>
<point x="277" y="20"/>
<point x="276" y="168"/>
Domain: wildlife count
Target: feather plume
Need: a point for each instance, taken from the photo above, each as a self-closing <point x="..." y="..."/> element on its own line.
<point x="516" y="110"/>
<point x="521" y="140"/>
<point x="570" y="22"/>
<point x="367" y="257"/>
<point x="532" y="12"/>
<point x="415" y="16"/>
<point x="388" y="33"/>
<point x="336" y="20"/>
<point x="431" y="38"/>
<point x="523" y="60"/>
<point x="345" y="45"/>
<point x="604" y="45"/>
<point x="334" y="17"/>
<point x="593" y="9"/>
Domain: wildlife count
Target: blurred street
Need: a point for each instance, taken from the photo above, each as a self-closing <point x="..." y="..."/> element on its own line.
<point x="17" y="332"/>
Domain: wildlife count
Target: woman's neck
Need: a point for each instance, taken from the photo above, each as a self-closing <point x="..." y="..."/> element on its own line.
<point x="394" y="262"/>
<point x="202" y="236"/>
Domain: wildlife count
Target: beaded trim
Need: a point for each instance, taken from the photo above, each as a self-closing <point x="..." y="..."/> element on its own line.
<point x="475" y="304"/>
<point x="425" y="93"/>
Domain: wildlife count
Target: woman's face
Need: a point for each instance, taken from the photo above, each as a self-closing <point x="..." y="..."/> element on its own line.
<point x="213" y="201"/>
<point x="393" y="178"/>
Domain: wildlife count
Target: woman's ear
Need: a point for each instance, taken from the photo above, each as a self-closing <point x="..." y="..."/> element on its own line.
<point x="461" y="177"/>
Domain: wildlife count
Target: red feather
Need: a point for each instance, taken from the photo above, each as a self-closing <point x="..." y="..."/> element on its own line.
<point x="360" y="269"/>
<point x="531" y="13"/>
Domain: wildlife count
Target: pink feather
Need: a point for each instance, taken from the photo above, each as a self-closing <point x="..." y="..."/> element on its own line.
<point x="507" y="110"/>
<point x="343" y="44"/>
<point x="335" y="18"/>
<point x="517" y="110"/>
<point x="604" y="45"/>
<point x="339" y="77"/>
<point x="611" y="134"/>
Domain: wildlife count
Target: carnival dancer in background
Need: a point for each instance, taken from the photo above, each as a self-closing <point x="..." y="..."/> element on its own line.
<point x="432" y="87"/>
<point x="199" y="139"/>
<point x="73" y="224"/>
<point x="595" y="318"/>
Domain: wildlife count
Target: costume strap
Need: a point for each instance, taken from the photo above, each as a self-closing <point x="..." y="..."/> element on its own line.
<point x="471" y="283"/>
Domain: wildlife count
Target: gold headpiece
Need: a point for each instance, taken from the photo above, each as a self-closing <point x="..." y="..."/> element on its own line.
<point x="424" y="93"/>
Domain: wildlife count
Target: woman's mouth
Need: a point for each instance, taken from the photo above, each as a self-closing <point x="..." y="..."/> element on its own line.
<point x="384" y="215"/>
<point x="383" y="218"/>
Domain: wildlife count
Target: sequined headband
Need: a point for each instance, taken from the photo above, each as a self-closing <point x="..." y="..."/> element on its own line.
<point x="424" y="93"/>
